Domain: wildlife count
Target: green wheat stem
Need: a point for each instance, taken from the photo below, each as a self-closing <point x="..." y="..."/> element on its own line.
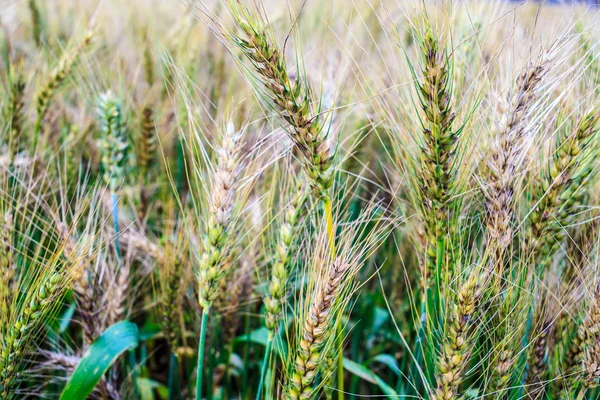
<point x="36" y="132"/>
<point x="265" y="365"/>
<point x="173" y="371"/>
<point x="115" y="210"/>
<point x="340" y="362"/>
<point x="201" y="345"/>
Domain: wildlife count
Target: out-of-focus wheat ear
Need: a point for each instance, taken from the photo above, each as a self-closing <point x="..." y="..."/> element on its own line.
<point x="537" y="360"/>
<point x="582" y="359"/>
<point x="510" y="327"/>
<point x="560" y="190"/>
<point x="275" y="299"/>
<point x="171" y="268"/>
<point x="572" y="363"/>
<point x="556" y="199"/>
<point x="29" y="319"/>
<point x="147" y="142"/>
<point x="113" y="142"/>
<point x="83" y="288"/>
<point x="146" y="154"/>
<point x="14" y="113"/>
<point x="57" y="77"/>
<point x="239" y="290"/>
<point x="571" y="333"/>
<point x="279" y="262"/>
<point x="37" y="27"/>
<point x="317" y="330"/>
<point x="505" y="157"/>
<point x="149" y="63"/>
<point x="120" y="295"/>
<point x="591" y="349"/>
<point x="7" y="265"/>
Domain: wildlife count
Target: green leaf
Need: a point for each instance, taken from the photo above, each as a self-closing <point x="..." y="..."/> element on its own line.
<point x="387" y="359"/>
<point x="380" y="317"/>
<point x="66" y="318"/>
<point x="149" y="331"/>
<point x="258" y="336"/>
<point x="365" y="373"/>
<point x="117" y="339"/>
<point x="146" y="388"/>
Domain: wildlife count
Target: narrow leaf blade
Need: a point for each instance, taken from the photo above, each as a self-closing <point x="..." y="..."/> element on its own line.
<point x="117" y="339"/>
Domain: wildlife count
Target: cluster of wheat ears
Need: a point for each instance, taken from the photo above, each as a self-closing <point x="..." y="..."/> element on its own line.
<point x="265" y="199"/>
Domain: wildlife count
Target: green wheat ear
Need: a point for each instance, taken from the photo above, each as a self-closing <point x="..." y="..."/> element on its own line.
<point x="113" y="143"/>
<point x="14" y="113"/>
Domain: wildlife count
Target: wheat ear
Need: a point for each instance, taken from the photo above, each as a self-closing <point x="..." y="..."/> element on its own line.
<point x="215" y="259"/>
<point x="292" y="100"/>
<point x="316" y="330"/>
<point x="57" y="77"/>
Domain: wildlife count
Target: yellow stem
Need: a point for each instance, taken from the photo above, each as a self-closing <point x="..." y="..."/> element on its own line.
<point x="330" y="232"/>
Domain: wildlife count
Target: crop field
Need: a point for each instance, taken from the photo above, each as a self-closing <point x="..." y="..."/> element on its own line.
<point x="299" y="199"/>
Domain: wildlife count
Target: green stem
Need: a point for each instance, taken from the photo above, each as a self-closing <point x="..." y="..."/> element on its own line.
<point x="340" y="362"/>
<point x="115" y="210"/>
<point x="201" y="343"/>
<point x="173" y="371"/>
<point x="36" y="132"/>
<point x="246" y="352"/>
<point x="265" y="365"/>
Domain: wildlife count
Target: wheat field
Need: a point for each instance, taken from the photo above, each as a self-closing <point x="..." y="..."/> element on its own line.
<point x="299" y="199"/>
